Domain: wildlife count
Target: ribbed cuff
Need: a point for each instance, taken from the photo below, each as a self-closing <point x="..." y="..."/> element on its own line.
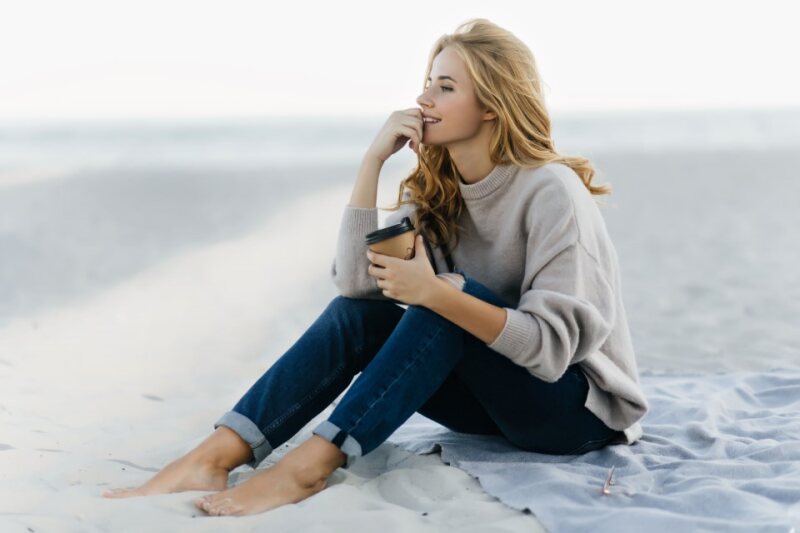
<point x="515" y="336"/>
<point x="246" y="429"/>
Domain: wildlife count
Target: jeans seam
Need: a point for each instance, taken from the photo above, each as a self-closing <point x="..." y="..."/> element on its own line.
<point x="292" y="410"/>
<point x="411" y="364"/>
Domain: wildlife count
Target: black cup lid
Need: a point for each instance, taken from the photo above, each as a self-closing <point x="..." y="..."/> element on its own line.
<point x="389" y="231"/>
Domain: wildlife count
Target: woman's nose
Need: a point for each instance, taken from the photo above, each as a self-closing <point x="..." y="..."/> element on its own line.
<point x="422" y="98"/>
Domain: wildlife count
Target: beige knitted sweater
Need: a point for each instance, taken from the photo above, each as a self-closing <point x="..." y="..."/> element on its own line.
<point x="537" y="239"/>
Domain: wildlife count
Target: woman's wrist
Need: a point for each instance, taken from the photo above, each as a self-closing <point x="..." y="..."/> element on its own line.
<point x="453" y="278"/>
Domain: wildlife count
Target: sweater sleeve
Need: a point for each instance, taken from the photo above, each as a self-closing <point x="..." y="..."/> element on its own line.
<point x="349" y="266"/>
<point x="566" y="308"/>
<point x="566" y="315"/>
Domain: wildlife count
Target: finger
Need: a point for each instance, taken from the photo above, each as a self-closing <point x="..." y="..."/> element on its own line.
<point x="375" y="272"/>
<point x="411" y="133"/>
<point x="386" y="290"/>
<point x="386" y="263"/>
<point x="373" y="257"/>
<point x="417" y="123"/>
<point x="417" y="141"/>
<point x="419" y="244"/>
<point x="378" y="259"/>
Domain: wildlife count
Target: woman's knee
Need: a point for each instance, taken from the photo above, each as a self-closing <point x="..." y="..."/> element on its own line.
<point x="371" y="313"/>
<point x="348" y="304"/>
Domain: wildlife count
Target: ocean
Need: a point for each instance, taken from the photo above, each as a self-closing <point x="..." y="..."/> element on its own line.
<point x="703" y="214"/>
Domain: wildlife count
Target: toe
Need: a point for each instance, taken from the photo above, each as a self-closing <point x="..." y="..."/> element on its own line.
<point x="111" y="493"/>
<point x="227" y="510"/>
<point x="216" y="507"/>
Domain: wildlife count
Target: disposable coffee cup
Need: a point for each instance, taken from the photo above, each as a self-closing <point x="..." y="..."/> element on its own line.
<point x="396" y="240"/>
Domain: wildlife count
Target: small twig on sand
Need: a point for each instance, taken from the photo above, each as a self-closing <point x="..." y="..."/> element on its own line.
<point x="609" y="482"/>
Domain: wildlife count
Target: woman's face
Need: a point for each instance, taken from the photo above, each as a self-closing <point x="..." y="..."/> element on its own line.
<point x="451" y="99"/>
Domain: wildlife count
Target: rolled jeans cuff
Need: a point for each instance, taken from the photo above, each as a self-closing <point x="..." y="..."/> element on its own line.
<point x="341" y="439"/>
<point x="248" y="431"/>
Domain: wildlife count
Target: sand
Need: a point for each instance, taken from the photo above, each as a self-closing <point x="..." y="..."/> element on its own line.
<point x="106" y="388"/>
<point x="105" y="392"/>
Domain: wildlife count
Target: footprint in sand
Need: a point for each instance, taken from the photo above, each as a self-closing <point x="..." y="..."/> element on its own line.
<point x="153" y="397"/>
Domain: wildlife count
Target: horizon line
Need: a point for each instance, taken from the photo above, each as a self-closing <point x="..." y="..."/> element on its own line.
<point x="257" y="117"/>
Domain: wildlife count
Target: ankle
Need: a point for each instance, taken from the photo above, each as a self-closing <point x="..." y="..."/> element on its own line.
<point x="314" y="460"/>
<point x="307" y="476"/>
<point x="215" y="460"/>
<point x="223" y="449"/>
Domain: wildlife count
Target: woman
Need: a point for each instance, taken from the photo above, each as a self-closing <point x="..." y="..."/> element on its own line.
<point x="541" y="354"/>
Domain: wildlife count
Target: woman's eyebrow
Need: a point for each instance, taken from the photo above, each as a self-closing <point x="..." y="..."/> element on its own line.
<point x="443" y="78"/>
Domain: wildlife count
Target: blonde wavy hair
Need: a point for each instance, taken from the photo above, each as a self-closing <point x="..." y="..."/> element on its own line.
<point x="507" y="82"/>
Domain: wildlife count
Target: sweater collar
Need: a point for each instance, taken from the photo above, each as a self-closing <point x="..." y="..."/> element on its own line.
<point x="487" y="185"/>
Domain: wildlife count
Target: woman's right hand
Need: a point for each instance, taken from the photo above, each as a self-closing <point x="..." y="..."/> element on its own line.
<point x="401" y="126"/>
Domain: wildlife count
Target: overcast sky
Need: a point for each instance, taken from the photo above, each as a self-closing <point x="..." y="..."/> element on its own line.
<point x="236" y="58"/>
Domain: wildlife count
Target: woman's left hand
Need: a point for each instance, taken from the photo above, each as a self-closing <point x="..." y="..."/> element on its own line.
<point x="411" y="281"/>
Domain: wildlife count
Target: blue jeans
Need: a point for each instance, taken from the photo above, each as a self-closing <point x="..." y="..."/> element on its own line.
<point x="409" y="360"/>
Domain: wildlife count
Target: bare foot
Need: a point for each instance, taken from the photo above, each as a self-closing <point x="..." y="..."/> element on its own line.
<point x="186" y="473"/>
<point x="278" y="485"/>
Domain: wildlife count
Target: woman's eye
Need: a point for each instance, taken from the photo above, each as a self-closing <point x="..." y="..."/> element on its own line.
<point x="446" y="88"/>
